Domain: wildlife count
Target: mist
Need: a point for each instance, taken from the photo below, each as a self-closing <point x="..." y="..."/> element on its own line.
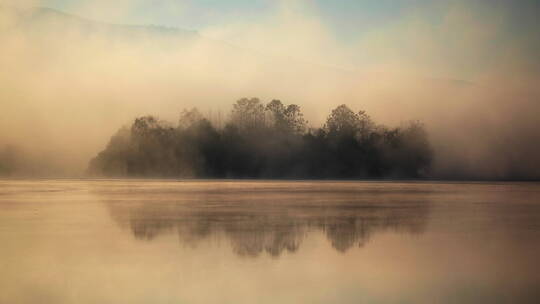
<point x="69" y="83"/>
<point x="265" y="140"/>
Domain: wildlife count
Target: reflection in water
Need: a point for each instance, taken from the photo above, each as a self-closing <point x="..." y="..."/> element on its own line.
<point x="117" y="241"/>
<point x="271" y="220"/>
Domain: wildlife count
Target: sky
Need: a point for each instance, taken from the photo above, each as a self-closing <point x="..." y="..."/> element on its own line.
<point x="349" y="23"/>
<point x="346" y="17"/>
<point x="398" y="60"/>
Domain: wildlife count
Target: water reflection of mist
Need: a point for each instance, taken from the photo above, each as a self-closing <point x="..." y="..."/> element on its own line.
<point x="268" y="220"/>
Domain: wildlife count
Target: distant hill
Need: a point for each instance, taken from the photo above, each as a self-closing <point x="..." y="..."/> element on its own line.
<point x="47" y="18"/>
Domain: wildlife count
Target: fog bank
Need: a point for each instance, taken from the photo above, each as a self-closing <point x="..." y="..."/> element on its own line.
<point x="68" y="83"/>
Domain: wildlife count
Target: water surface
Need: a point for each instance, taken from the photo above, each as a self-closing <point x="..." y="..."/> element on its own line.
<point x="155" y="241"/>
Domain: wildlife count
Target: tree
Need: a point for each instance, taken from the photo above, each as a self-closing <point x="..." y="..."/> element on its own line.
<point x="287" y="119"/>
<point x="276" y="111"/>
<point x="143" y="126"/>
<point x="365" y="126"/>
<point x="342" y="120"/>
<point x="248" y="114"/>
<point x="266" y="141"/>
<point x="189" y="118"/>
<point x="295" y="119"/>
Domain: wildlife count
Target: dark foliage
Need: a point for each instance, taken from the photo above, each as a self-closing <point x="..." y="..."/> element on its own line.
<point x="266" y="141"/>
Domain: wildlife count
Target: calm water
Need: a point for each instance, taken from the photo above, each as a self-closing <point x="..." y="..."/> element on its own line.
<point x="135" y="241"/>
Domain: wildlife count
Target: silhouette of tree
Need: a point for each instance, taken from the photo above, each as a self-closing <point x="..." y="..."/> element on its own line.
<point x="342" y="121"/>
<point x="287" y="119"/>
<point x="189" y="118"/>
<point x="248" y="114"/>
<point x="270" y="141"/>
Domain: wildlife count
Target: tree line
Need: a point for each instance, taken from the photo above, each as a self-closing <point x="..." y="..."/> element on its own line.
<point x="270" y="140"/>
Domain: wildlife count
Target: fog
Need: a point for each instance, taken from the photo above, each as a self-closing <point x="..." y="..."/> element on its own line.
<point x="69" y="83"/>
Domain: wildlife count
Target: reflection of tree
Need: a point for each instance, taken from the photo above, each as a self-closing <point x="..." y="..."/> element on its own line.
<point x="273" y="223"/>
<point x="347" y="232"/>
<point x="250" y="238"/>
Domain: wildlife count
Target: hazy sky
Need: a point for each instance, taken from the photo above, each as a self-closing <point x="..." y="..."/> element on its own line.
<point x="346" y="17"/>
<point x="499" y="23"/>
<point x="395" y="59"/>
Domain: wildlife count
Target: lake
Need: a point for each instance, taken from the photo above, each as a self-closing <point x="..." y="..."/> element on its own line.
<point x="168" y="241"/>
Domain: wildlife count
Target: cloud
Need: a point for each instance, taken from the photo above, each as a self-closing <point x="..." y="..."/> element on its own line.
<point x="69" y="86"/>
<point x="20" y="3"/>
